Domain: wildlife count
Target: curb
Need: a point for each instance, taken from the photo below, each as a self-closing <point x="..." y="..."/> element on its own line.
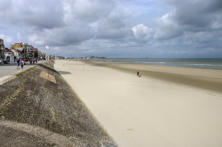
<point x="5" y="79"/>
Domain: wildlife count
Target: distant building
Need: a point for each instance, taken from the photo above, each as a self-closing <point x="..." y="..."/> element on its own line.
<point x="60" y="57"/>
<point x="9" y="56"/>
<point x="2" y="49"/>
<point x="2" y="44"/>
<point x="24" y="51"/>
<point x="17" y="53"/>
<point x="17" y="49"/>
<point x="17" y="45"/>
<point x="27" y="52"/>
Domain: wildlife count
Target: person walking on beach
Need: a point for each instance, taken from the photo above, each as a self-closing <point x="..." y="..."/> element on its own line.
<point x="138" y="74"/>
<point x="22" y="63"/>
<point x="18" y="63"/>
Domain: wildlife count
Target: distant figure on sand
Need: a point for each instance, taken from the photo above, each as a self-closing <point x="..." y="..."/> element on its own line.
<point x="22" y="63"/>
<point x="138" y="74"/>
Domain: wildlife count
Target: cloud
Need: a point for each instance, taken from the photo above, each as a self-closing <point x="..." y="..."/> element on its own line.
<point x="196" y="15"/>
<point x="5" y="4"/>
<point x="55" y="22"/>
<point x="167" y="28"/>
<point x="36" y="13"/>
<point x="92" y="10"/>
<point x="142" y="33"/>
<point x="62" y="36"/>
<point x="7" y="39"/>
<point x="114" y="28"/>
<point x="68" y="35"/>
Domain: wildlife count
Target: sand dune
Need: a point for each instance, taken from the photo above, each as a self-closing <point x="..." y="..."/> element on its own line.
<point x="147" y="111"/>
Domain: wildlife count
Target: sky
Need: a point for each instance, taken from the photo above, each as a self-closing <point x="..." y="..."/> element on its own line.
<point x="115" y="28"/>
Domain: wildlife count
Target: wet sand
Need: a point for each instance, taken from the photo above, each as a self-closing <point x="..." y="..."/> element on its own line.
<point x="168" y="106"/>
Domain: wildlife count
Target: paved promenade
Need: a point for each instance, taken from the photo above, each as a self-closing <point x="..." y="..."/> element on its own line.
<point x="11" y="69"/>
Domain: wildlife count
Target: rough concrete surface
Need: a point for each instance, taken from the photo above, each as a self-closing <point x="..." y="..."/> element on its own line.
<point x="38" y="108"/>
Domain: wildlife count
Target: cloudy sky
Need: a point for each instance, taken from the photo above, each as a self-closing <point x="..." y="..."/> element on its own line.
<point x="115" y="28"/>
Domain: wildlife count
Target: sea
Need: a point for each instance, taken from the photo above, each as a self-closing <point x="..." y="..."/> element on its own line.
<point x="204" y="63"/>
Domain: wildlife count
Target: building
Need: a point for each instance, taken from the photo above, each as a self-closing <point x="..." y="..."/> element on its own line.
<point x="2" y="50"/>
<point x="22" y="50"/>
<point x="9" y="56"/>
<point x="19" y="46"/>
<point x="2" y="46"/>
<point x="25" y="51"/>
<point x="17" y="49"/>
<point x="17" y="53"/>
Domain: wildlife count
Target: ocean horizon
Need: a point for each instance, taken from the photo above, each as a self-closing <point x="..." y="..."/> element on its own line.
<point x="204" y="63"/>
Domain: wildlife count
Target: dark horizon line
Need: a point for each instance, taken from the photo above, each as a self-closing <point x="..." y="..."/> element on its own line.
<point x="147" y="57"/>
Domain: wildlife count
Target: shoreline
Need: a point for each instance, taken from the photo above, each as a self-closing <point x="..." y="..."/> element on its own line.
<point x="170" y="62"/>
<point x="208" y="79"/>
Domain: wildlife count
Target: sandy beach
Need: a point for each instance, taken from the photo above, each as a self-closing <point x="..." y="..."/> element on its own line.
<point x="166" y="107"/>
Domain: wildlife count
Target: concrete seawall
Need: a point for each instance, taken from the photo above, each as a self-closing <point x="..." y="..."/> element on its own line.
<point x="38" y="108"/>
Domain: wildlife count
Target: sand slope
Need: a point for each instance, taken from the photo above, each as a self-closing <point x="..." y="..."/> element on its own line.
<point x="142" y="112"/>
